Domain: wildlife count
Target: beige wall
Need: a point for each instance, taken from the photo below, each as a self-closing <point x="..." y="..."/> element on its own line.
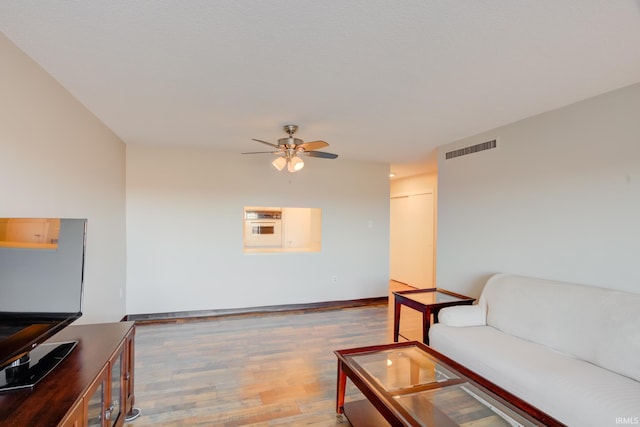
<point x="559" y="198"/>
<point x="184" y="230"/>
<point x="58" y="160"/>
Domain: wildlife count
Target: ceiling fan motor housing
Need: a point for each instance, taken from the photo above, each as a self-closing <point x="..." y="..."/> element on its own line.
<point x="289" y="142"/>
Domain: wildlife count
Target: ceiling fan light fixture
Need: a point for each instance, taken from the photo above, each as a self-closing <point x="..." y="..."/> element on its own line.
<point x="290" y="149"/>
<point x="295" y="164"/>
<point x="279" y="163"/>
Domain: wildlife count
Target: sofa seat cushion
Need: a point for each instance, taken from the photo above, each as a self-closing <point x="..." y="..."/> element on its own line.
<point x="571" y="390"/>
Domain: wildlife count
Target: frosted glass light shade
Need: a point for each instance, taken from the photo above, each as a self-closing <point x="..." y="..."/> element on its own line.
<point x="279" y="163"/>
<point x="295" y="164"/>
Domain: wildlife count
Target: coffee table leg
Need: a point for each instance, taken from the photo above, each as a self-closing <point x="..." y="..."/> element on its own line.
<point x="426" y="323"/>
<point x="396" y="321"/>
<point x="342" y="386"/>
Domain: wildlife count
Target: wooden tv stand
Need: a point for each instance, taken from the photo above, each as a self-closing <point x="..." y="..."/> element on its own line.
<point x="93" y="385"/>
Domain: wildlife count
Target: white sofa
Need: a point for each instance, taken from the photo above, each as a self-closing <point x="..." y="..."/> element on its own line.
<point x="572" y="351"/>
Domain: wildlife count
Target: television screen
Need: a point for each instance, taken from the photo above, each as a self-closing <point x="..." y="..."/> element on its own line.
<point x="41" y="279"/>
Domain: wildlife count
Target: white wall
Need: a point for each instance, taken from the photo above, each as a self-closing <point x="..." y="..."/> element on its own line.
<point x="58" y="160"/>
<point x="559" y="199"/>
<point x="184" y="221"/>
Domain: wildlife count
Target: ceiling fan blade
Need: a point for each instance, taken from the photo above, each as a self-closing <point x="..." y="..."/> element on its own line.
<point x="321" y="154"/>
<point x="265" y="142"/>
<point x="313" y="145"/>
<point x="262" y="152"/>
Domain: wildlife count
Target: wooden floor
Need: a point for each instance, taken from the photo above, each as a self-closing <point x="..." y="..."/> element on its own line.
<point x="267" y="370"/>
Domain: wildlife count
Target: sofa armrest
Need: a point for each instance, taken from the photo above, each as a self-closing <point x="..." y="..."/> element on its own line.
<point x="463" y="315"/>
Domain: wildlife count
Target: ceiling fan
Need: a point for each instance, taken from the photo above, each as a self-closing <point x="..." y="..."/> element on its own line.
<point x="290" y="149"/>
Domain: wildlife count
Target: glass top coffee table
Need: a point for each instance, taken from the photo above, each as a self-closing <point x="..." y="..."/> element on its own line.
<point x="427" y="301"/>
<point x="410" y="384"/>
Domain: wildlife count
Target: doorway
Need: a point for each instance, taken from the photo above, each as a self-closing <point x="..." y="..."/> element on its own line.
<point x="412" y="225"/>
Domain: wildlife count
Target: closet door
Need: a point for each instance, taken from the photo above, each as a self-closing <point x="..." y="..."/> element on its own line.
<point x="412" y="239"/>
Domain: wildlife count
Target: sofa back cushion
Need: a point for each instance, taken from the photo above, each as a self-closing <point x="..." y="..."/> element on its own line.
<point x="601" y="326"/>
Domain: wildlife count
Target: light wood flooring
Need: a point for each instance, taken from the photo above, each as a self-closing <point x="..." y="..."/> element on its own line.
<point x="266" y="370"/>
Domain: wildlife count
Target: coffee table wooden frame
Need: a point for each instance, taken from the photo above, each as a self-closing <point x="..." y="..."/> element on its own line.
<point x="384" y="407"/>
<point x="405" y="298"/>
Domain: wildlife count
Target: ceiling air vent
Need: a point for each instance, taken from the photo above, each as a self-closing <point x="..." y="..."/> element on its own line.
<point x="472" y="149"/>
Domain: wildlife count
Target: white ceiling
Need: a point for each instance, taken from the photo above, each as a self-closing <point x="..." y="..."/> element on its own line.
<point x="380" y="80"/>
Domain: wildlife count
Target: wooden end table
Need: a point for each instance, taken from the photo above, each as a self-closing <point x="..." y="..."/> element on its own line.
<point x="427" y="301"/>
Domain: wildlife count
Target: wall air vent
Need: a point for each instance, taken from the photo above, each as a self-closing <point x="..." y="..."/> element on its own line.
<point x="472" y="149"/>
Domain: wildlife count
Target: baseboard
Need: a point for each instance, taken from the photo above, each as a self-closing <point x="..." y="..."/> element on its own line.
<point x="179" y="316"/>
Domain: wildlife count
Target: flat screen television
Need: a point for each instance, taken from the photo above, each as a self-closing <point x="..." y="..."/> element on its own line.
<point x="41" y="288"/>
